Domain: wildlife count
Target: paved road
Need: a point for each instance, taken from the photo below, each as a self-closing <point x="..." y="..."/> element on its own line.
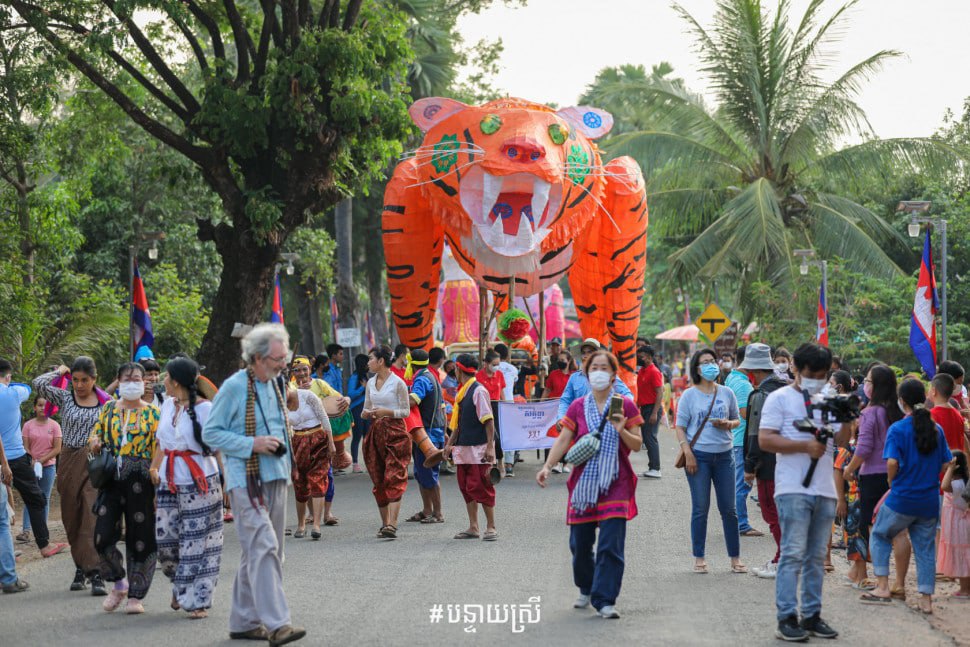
<point x="352" y="588"/>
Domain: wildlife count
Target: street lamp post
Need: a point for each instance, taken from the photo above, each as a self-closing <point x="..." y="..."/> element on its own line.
<point x="805" y="255"/>
<point x="914" y="207"/>
<point x="154" y="237"/>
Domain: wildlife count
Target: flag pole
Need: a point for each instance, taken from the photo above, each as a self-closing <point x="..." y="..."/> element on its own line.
<point x="943" y="286"/>
<point x="131" y="302"/>
<point x="825" y="291"/>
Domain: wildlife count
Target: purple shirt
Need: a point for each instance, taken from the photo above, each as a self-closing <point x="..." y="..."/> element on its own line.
<point x="873" y="425"/>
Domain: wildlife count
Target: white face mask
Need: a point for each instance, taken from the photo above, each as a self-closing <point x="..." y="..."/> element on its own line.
<point x="781" y="367"/>
<point x="600" y="380"/>
<point x="727" y="366"/>
<point x="827" y="390"/>
<point x="812" y="386"/>
<point x="131" y="391"/>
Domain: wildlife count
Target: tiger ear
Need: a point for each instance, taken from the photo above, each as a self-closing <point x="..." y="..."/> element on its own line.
<point x="428" y="112"/>
<point x="592" y="122"/>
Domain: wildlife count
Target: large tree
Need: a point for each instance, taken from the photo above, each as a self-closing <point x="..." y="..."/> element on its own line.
<point x="285" y="106"/>
<point x="765" y="169"/>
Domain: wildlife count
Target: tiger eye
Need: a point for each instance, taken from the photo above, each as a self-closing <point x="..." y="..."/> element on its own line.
<point x="490" y="124"/>
<point x="558" y="134"/>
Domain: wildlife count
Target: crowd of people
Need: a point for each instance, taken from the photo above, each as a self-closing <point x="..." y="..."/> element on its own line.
<point x="176" y="459"/>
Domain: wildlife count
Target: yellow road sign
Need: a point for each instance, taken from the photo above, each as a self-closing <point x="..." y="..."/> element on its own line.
<point x="713" y="322"/>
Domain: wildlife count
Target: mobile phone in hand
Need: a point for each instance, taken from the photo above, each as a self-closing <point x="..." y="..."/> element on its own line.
<point x="616" y="407"/>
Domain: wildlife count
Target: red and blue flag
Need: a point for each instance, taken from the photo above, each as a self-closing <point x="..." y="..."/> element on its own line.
<point x="277" y="314"/>
<point x="922" y="329"/>
<point x="822" y="318"/>
<point x="141" y="318"/>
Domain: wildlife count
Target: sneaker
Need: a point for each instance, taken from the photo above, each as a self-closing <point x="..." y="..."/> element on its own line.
<point x="78" y="583"/>
<point x="651" y="474"/>
<point x="23" y="538"/>
<point x="790" y="631"/>
<point x="817" y="627"/>
<point x="768" y="572"/>
<point x="609" y="611"/>
<point x="18" y="586"/>
<point x="508" y="472"/>
<point x="357" y="469"/>
<point x="134" y="607"/>
<point x="97" y="585"/>
<point x="581" y="602"/>
<point x="566" y="469"/>
<point x="557" y="469"/>
<point x="114" y="599"/>
<point x="286" y="634"/>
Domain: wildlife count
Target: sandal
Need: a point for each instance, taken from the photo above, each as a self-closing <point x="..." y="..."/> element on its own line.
<point x="299" y="534"/>
<point x="700" y="569"/>
<point x="175" y="604"/>
<point x="315" y="535"/>
<point x="332" y="521"/>
<point x="198" y="614"/>
<point x="418" y="516"/>
<point x="227" y="517"/>
<point x="389" y="532"/>
<point x="829" y="568"/>
<point x="864" y="585"/>
<point x="870" y="598"/>
<point x="739" y="568"/>
<point x="490" y="535"/>
<point x="897" y="594"/>
<point x="433" y="519"/>
<point x="464" y="534"/>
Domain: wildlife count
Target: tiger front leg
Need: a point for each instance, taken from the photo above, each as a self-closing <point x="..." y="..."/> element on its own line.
<point x="412" y="252"/>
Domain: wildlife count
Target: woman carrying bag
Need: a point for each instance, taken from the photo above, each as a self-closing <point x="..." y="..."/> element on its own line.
<point x="706" y="416"/>
<point x="602" y="490"/>
<point x="126" y="428"/>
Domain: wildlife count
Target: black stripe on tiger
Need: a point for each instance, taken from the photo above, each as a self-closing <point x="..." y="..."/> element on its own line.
<point x="457" y="250"/>
<point x="558" y="273"/>
<point x="587" y="310"/>
<point x="449" y="190"/>
<point x="548" y="256"/>
<point x="398" y="272"/>
<point x="619" y="280"/>
<point x="424" y="337"/>
<point x="469" y="142"/>
<point x="413" y="320"/>
<point x="385" y="232"/>
<point x="628" y="246"/>
<point x="582" y="195"/>
<point x="643" y="197"/>
<point x="504" y="280"/>
<point x="394" y="208"/>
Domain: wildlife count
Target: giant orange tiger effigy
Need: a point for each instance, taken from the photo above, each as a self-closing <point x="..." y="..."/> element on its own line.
<point x="520" y="193"/>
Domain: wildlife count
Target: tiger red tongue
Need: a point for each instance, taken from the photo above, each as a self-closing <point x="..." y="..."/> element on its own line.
<point x="510" y="207"/>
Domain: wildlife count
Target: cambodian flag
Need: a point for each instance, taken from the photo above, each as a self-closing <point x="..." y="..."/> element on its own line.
<point x="277" y="315"/>
<point x="822" y="318"/>
<point x="141" y="318"/>
<point x="922" y="329"/>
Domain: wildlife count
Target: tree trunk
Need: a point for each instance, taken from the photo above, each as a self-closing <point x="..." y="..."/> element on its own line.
<point x="244" y="288"/>
<point x="347" y="302"/>
<point x="311" y="337"/>
<point x="374" y="271"/>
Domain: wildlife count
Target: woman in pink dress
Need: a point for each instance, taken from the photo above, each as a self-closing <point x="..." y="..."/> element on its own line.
<point x="953" y="553"/>
<point x="602" y="491"/>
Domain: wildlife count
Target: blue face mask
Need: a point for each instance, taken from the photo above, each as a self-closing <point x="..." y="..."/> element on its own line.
<point x="710" y="372"/>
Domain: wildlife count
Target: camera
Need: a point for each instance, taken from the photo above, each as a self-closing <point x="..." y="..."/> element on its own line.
<point x="280" y="450"/>
<point x="835" y="408"/>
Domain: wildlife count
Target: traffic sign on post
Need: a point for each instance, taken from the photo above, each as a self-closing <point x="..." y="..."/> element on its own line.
<point x="728" y="341"/>
<point x="713" y="322"/>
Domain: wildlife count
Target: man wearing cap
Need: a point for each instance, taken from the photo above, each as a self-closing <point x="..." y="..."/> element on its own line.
<point x="758" y="462"/>
<point x="578" y="384"/>
<point x="555" y="347"/>
<point x="472" y="445"/>
<point x="650" y="385"/>
<point x="738" y="381"/>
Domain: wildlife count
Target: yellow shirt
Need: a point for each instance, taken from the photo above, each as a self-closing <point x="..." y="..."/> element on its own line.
<point x="128" y="432"/>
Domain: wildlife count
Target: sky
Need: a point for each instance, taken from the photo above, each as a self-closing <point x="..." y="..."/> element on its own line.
<point x="554" y="48"/>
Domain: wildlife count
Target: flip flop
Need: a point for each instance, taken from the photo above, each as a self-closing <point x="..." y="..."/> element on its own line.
<point x="464" y="534"/>
<point x="700" y="569"/>
<point x="490" y="535"/>
<point x="864" y="585"/>
<point x="869" y="598"/>
<point x="299" y="534"/>
<point x="418" y="516"/>
<point x="433" y="520"/>
<point x="332" y="521"/>
<point x="739" y="568"/>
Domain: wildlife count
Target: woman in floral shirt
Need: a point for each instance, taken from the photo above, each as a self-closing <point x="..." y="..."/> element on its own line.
<point x="127" y="428"/>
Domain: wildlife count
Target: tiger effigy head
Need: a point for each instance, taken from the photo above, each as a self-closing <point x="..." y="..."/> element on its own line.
<point x="513" y="179"/>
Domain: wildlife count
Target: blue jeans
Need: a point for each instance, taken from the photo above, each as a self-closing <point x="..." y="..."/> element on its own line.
<point x="806" y="521"/>
<point x="742" y="490"/>
<point x="598" y="575"/>
<point x="719" y="469"/>
<point x="46" y="483"/>
<point x="360" y="429"/>
<point x="922" y="534"/>
<point x="8" y="563"/>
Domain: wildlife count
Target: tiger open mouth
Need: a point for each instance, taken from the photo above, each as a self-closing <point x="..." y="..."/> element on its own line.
<point x="512" y="213"/>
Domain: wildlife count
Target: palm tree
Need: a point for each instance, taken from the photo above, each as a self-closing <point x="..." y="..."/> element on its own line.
<point x="761" y="172"/>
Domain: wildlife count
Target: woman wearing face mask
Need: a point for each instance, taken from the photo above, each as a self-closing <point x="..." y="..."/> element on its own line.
<point x="868" y="464"/>
<point x="706" y="417"/>
<point x="916" y="451"/>
<point x="188" y="518"/>
<point x="555" y="385"/>
<point x="79" y="407"/>
<point x="127" y="428"/>
<point x="601" y="490"/>
<point x="783" y="364"/>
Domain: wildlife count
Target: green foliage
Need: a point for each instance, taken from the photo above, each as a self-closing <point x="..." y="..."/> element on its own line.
<point x="179" y="319"/>
<point x="315" y="265"/>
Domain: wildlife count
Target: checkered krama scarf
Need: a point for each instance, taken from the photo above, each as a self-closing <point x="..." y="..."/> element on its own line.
<point x="254" y="482"/>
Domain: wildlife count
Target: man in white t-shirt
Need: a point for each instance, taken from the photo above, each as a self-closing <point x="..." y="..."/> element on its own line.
<point x="805" y="513"/>
<point x="511" y="374"/>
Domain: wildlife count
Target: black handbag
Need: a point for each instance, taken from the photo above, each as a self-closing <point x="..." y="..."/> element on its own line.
<point x="103" y="467"/>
